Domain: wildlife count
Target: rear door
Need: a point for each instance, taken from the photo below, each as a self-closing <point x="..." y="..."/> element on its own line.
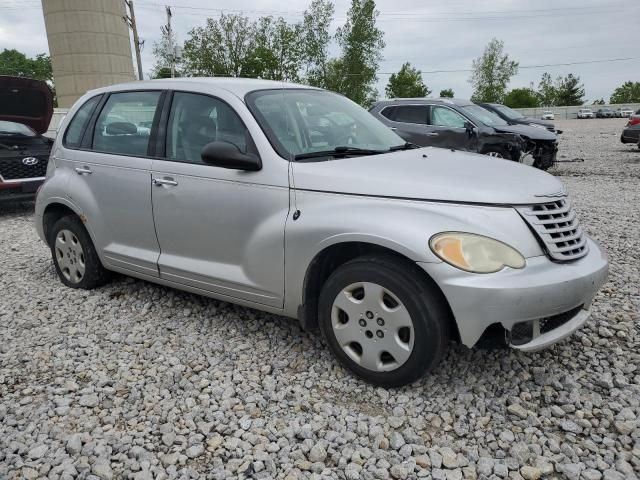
<point x="111" y="179"/>
<point x="410" y="122"/>
<point x="220" y="230"/>
<point x="450" y="129"/>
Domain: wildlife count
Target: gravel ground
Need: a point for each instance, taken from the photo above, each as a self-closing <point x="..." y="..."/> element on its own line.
<point x="139" y="381"/>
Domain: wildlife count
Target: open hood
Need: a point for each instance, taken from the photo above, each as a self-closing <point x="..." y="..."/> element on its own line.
<point x="26" y="101"/>
<point x="430" y="173"/>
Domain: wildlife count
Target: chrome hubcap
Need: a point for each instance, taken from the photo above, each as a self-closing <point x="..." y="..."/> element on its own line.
<point x="372" y="326"/>
<point x="495" y="154"/>
<point x="70" y="256"/>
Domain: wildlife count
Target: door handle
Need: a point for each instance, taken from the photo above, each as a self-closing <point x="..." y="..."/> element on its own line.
<point x="159" y="182"/>
<point x="432" y="134"/>
<point x="83" y="171"/>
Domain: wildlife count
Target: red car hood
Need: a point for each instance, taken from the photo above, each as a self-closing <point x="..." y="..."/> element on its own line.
<point x="26" y="101"/>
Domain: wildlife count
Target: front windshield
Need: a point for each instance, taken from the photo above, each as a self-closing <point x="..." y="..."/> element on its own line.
<point x="509" y="112"/>
<point x="303" y="121"/>
<point x="13" y="128"/>
<point x="484" y="116"/>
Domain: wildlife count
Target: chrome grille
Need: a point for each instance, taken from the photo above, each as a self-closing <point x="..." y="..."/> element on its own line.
<point x="557" y="226"/>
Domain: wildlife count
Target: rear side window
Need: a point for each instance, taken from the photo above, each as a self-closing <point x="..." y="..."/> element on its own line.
<point x="411" y="114"/>
<point x="124" y="124"/>
<point x="73" y="135"/>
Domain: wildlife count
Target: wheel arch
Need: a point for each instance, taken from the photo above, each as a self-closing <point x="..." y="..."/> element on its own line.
<point x="53" y="212"/>
<point x="333" y="256"/>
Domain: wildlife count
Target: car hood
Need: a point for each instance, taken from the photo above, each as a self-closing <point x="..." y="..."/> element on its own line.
<point x="534" y="133"/>
<point x="433" y="174"/>
<point x="536" y="121"/>
<point x="26" y="101"/>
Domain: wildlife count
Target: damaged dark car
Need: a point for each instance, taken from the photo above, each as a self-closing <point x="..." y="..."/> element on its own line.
<point x="26" y="108"/>
<point x="463" y="125"/>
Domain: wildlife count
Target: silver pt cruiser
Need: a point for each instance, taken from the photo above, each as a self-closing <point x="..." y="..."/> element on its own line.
<point x="296" y="201"/>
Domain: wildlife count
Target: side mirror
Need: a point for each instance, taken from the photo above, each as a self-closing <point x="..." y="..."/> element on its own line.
<point x="468" y="126"/>
<point x="228" y="155"/>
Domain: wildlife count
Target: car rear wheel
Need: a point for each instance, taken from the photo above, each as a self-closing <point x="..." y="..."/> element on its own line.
<point x="74" y="256"/>
<point x="382" y="321"/>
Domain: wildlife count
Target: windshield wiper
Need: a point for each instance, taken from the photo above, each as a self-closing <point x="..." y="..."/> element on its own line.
<point x="404" y="146"/>
<point x="339" y="151"/>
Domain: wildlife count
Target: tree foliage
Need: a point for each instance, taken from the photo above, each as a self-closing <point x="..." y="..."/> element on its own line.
<point x="547" y="91"/>
<point x="628" y="92"/>
<point x="447" y="93"/>
<point x="17" y="64"/>
<point x="522" y="98"/>
<point x="269" y="47"/>
<point x="598" y="102"/>
<point x="569" y="90"/>
<point x="361" y="43"/>
<point x="407" y="83"/>
<point x="491" y="73"/>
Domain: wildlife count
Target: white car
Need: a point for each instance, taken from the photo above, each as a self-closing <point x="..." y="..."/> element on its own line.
<point x="585" y="113"/>
<point x="548" y="115"/>
<point x="624" y="112"/>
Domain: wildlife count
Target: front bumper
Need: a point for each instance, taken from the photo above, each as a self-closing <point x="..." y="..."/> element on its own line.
<point x="15" y="190"/>
<point x="542" y="289"/>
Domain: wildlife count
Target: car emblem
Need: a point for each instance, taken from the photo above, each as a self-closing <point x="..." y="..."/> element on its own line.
<point x="30" y="161"/>
<point x="559" y="193"/>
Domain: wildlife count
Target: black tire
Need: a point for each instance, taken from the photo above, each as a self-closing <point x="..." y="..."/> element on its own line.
<point x="427" y="309"/>
<point x="95" y="274"/>
<point x="544" y="166"/>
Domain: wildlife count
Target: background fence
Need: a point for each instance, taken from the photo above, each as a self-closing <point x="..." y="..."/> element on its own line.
<point x="572" y="112"/>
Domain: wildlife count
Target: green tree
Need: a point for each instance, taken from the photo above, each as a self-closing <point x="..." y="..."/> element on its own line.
<point x="628" y="92"/>
<point x="315" y="39"/>
<point x="491" y="73"/>
<point x="547" y="93"/>
<point x="569" y="90"/>
<point x="407" y="83"/>
<point x="598" y="102"/>
<point x="447" y="93"/>
<point x="361" y="43"/>
<point x="522" y="98"/>
<point x="17" y="64"/>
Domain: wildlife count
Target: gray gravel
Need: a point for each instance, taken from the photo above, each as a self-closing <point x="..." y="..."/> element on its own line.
<point x="139" y="381"/>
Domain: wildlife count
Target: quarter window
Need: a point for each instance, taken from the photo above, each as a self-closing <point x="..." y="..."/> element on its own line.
<point x="196" y="120"/>
<point x="124" y="124"/>
<point x="445" y="117"/>
<point x="411" y="114"/>
<point x="73" y="135"/>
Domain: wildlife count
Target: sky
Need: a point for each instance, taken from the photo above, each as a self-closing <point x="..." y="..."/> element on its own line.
<point x="433" y="35"/>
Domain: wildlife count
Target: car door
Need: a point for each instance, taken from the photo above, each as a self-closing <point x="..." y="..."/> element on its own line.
<point x="219" y="230"/>
<point x="451" y="129"/>
<point x="410" y="122"/>
<point x="111" y="180"/>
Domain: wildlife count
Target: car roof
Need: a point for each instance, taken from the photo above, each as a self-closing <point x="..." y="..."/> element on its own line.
<point x="460" y="102"/>
<point x="237" y="86"/>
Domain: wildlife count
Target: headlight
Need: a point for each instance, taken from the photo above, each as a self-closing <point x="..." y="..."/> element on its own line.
<point x="537" y="125"/>
<point x="475" y="253"/>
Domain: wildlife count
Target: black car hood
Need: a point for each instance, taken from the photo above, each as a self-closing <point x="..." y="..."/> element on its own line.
<point x="536" y="121"/>
<point x="26" y="101"/>
<point x="534" y="133"/>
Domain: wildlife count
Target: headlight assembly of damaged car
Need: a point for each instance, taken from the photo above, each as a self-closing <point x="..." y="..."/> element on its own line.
<point x="475" y="253"/>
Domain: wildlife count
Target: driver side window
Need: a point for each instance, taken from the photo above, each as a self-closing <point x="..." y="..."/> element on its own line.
<point x="196" y="120"/>
<point x="445" y="117"/>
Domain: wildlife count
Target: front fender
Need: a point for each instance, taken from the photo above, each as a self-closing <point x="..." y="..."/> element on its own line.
<point x="403" y="226"/>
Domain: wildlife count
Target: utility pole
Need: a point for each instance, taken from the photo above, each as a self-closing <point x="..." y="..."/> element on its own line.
<point x="170" y="37"/>
<point x="131" y="21"/>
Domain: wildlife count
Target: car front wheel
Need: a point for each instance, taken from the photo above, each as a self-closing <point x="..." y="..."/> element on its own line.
<point x="382" y="320"/>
